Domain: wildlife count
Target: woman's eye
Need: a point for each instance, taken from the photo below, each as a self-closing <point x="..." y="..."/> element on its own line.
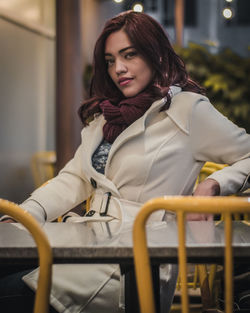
<point x="109" y="62"/>
<point x="130" y="55"/>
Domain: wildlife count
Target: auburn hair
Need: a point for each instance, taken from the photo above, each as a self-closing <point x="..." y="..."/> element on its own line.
<point x="151" y="42"/>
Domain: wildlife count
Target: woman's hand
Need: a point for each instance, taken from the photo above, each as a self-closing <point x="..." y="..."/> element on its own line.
<point x="208" y="187"/>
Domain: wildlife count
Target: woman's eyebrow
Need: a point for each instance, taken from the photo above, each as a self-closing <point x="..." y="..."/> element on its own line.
<point x="120" y="51"/>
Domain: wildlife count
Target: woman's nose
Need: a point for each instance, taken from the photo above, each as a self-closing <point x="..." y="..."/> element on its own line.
<point x="120" y="67"/>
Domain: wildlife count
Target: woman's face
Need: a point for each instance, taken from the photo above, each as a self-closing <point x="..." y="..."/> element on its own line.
<point x="127" y="68"/>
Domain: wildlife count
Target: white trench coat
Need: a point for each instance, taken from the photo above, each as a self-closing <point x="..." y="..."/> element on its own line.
<point x="160" y="154"/>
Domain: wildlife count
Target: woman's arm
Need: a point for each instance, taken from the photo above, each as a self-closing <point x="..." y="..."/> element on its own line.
<point x="214" y="138"/>
<point x="62" y="193"/>
<point x="34" y="208"/>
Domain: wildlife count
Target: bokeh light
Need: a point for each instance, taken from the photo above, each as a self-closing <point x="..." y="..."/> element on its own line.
<point x="227" y="13"/>
<point x="138" y="7"/>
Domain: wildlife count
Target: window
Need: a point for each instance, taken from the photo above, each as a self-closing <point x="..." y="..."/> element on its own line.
<point x="152" y="5"/>
<point x="243" y="12"/>
<point x="241" y="16"/>
<point x="190" y="12"/>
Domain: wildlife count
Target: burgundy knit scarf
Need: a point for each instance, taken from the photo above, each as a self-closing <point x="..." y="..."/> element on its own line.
<point x="119" y="116"/>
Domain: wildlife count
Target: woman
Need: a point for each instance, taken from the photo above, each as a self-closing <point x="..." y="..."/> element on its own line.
<point x="148" y="129"/>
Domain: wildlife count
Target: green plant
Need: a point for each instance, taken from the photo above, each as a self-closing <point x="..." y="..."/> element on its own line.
<point x="226" y="77"/>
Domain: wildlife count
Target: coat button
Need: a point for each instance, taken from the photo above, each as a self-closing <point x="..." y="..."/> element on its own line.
<point x="90" y="213"/>
<point x="93" y="182"/>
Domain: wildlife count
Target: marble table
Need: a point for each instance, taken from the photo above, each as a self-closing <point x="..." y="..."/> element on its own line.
<point x="108" y="243"/>
<point x="111" y="242"/>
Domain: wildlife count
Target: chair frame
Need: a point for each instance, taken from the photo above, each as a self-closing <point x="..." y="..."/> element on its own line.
<point x="182" y="205"/>
<point x="44" y="252"/>
<point x="43" y="167"/>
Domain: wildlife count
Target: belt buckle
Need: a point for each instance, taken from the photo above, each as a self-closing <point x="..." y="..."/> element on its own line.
<point x="107" y="204"/>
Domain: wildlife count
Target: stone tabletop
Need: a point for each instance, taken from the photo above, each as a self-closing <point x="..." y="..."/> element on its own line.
<point x="111" y="242"/>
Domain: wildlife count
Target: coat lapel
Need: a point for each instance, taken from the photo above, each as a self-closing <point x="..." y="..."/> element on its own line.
<point x="92" y="136"/>
<point x="139" y="125"/>
<point x="133" y="130"/>
<point x="181" y="107"/>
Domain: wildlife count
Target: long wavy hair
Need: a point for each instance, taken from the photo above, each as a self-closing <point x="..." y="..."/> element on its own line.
<point x="151" y="42"/>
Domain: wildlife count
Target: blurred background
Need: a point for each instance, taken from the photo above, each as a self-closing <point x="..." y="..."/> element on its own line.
<point x="45" y="65"/>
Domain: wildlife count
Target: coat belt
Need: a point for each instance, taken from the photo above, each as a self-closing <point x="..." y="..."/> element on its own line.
<point x="105" y="207"/>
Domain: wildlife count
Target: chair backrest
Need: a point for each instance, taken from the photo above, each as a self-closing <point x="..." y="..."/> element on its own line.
<point x="43" y="166"/>
<point x="183" y="205"/>
<point x="44" y="252"/>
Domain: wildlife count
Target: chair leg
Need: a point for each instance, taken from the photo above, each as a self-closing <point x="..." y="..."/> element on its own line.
<point x="206" y="296"/>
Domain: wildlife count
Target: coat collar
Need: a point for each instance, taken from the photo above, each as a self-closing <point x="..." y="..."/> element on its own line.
<point x="178" y="112"/>
<point x="135" y="128"/>
<point x="95" y="129"/>
<point x="181" y="108"/>
<point x="139" y="125"/>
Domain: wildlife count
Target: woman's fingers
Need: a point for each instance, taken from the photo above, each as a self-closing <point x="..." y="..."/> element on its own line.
<point x="199" y="217"/>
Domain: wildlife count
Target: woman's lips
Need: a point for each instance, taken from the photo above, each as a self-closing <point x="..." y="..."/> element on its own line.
<point x="125" y="81"/>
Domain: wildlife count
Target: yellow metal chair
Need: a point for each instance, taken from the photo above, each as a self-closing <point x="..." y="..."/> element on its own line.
<point x="204" y="275"/>
<point x="208" y="169"/>
<point x="183" y="205"/>
<point x="44" y="252"/>
<point x="43" y="167"/>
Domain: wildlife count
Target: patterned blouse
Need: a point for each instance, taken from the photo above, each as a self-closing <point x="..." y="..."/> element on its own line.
<point x="100" y="156"/>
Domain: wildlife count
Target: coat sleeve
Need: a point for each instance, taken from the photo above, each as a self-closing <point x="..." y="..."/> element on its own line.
<point x="62" y="193"/>
<point x="216" y="139"/>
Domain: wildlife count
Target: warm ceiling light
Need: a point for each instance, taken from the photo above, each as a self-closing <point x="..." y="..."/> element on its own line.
<point x="227" y="13"/>
<point x="138" y="7"/>
<point x="118" y="1"/>
<point x="229" y="0"/>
